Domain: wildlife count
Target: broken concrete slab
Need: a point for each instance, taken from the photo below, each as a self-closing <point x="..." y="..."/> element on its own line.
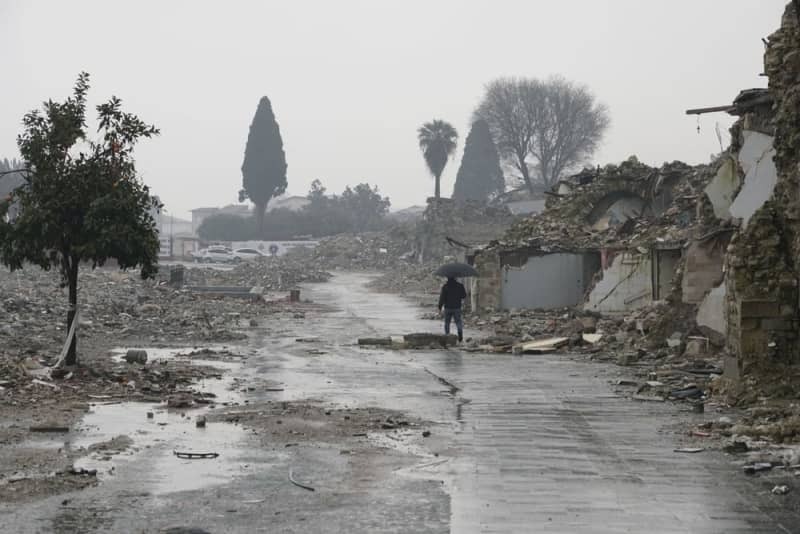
<point x="756" y="158"/>
<point x="252" y="292"/>
<point x="626" y="285"/>
<point x="592" y="338"/>
<point x="711" y="313"/>
<point x="411" y="341"/>
<point x="541" y="346"/>
<point x="722" y="189"/>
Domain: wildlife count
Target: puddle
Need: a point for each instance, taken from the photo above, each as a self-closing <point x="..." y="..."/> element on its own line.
<point x="150" y="456"/>
<point x="183" y="353"/>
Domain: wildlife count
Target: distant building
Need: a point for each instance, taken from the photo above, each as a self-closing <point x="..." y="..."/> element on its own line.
<point x="522" y="202"/>
<point x="171" y="225"/>
<point x="8" y="183"/>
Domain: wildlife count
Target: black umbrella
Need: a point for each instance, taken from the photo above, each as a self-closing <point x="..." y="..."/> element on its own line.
<point x="456" y="270"/>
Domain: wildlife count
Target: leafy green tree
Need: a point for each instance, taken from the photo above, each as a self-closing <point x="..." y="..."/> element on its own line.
<point x="437" y="140"/>
<point x="227" y="227"/>
<point x="317" y="193"/>
<point x="82" y="201"/>
<point x="366" y="207"/>
<point x="479" y="176"/>
<point x="264" y="167"/>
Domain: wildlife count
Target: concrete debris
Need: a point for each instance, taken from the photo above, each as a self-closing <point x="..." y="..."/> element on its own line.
<point x="619" y="206"/>
<point x="423" y="340"/>
<point x="280" y="273"/>
<point x="541" y="346"/>
<point x="136" y="356"/>
<point x="757" y="467"/>
<point x="780" y="490"/>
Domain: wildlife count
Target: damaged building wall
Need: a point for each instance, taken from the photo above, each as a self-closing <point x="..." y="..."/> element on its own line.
<point x="762" y="297"/>
<point x="449" y="228"/>
<point x="665" y="265"/>
<point x="627" y="284"/>
<point x="702" y="270"/>
<point x="762" y="275"/>
<point x="548" y="281"/>
<point x="527" y="280"/>
<point x="486" y="289"/>
<point x="760" y="175"/>
<point x="711" y="319"/>
<point x="723" y="188"/>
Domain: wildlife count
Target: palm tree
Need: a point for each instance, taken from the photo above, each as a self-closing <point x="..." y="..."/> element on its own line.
<point x="437" y="140"/>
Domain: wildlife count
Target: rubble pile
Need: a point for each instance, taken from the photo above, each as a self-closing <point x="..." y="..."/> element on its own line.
<point x="449" y="228"/>
<point x="409" y="279"/>
<point x="271" y="274"/>
<point x="659" y="331"/>
<point x="668" y="206"/>
<point x="373" y="251"/>
<point x="112" y="304"/>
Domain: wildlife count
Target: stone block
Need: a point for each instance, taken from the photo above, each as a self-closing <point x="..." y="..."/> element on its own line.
<point x="760" y="308"/>
<point x="754" y="343"/>
<point x="730" y="367"/>
<point x="777" y="324"/>
<point x="750" y="324"/>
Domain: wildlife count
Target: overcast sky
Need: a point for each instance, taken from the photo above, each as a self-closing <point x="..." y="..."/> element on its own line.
<point x="351" y="80"/>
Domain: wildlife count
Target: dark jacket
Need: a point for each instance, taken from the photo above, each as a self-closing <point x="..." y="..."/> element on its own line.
<point x="452" y="294"/>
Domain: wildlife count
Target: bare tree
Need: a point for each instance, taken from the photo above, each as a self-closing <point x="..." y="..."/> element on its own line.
<point x="543" y="129"/>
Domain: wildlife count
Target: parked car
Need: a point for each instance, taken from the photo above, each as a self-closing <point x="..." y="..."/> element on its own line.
<point x="214" y="254"/>
<point x="247" y="254"/>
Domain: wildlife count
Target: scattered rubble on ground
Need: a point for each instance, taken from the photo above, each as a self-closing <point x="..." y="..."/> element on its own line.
<point x="421" y="340"/>
<point x="280" y="273"/>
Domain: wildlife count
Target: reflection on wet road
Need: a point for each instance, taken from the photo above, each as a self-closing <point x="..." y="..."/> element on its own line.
<point x="540" y="444"/>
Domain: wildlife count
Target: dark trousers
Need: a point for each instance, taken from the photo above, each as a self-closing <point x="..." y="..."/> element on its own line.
<point x="454" y="315"/>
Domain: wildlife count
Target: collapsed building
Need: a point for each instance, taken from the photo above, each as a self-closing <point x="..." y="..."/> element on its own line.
<point x="761" y="287"/>
<point x="723" y="239"/>
<point x="450" y="228"/>
<point x="611" y="240"/>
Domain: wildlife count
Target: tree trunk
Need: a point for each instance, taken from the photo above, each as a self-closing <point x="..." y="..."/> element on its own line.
<point x="523" y="168"/>
<point x="72" y="279"/>
<point x="437" y="190"/>
<point x="546" y="175"/>
<point x="260" y="209"/>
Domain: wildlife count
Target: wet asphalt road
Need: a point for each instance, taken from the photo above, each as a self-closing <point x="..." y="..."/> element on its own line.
<point x="526" y="444"/>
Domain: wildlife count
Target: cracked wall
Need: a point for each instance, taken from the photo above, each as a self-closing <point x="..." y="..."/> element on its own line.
<point x="762" y="275"/>
<point x="627" y="284"/>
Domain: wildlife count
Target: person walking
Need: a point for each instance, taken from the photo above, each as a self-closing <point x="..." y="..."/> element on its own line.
<point x="452" y="294"/>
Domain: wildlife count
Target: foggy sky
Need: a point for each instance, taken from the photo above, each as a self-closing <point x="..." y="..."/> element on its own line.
<point x="351" y="80"/>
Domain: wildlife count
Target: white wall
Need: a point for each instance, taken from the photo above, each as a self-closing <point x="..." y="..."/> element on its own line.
<point x="627" y="284"/>
<point x="711" y="312"/>
<point x="722" y="189"/>
<point x="755" y="157"/>
<point x="548" y="281"/>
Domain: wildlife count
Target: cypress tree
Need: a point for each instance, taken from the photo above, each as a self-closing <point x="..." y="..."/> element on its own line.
<point x="264" y="167"/>
<point x="479" y="176"/>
